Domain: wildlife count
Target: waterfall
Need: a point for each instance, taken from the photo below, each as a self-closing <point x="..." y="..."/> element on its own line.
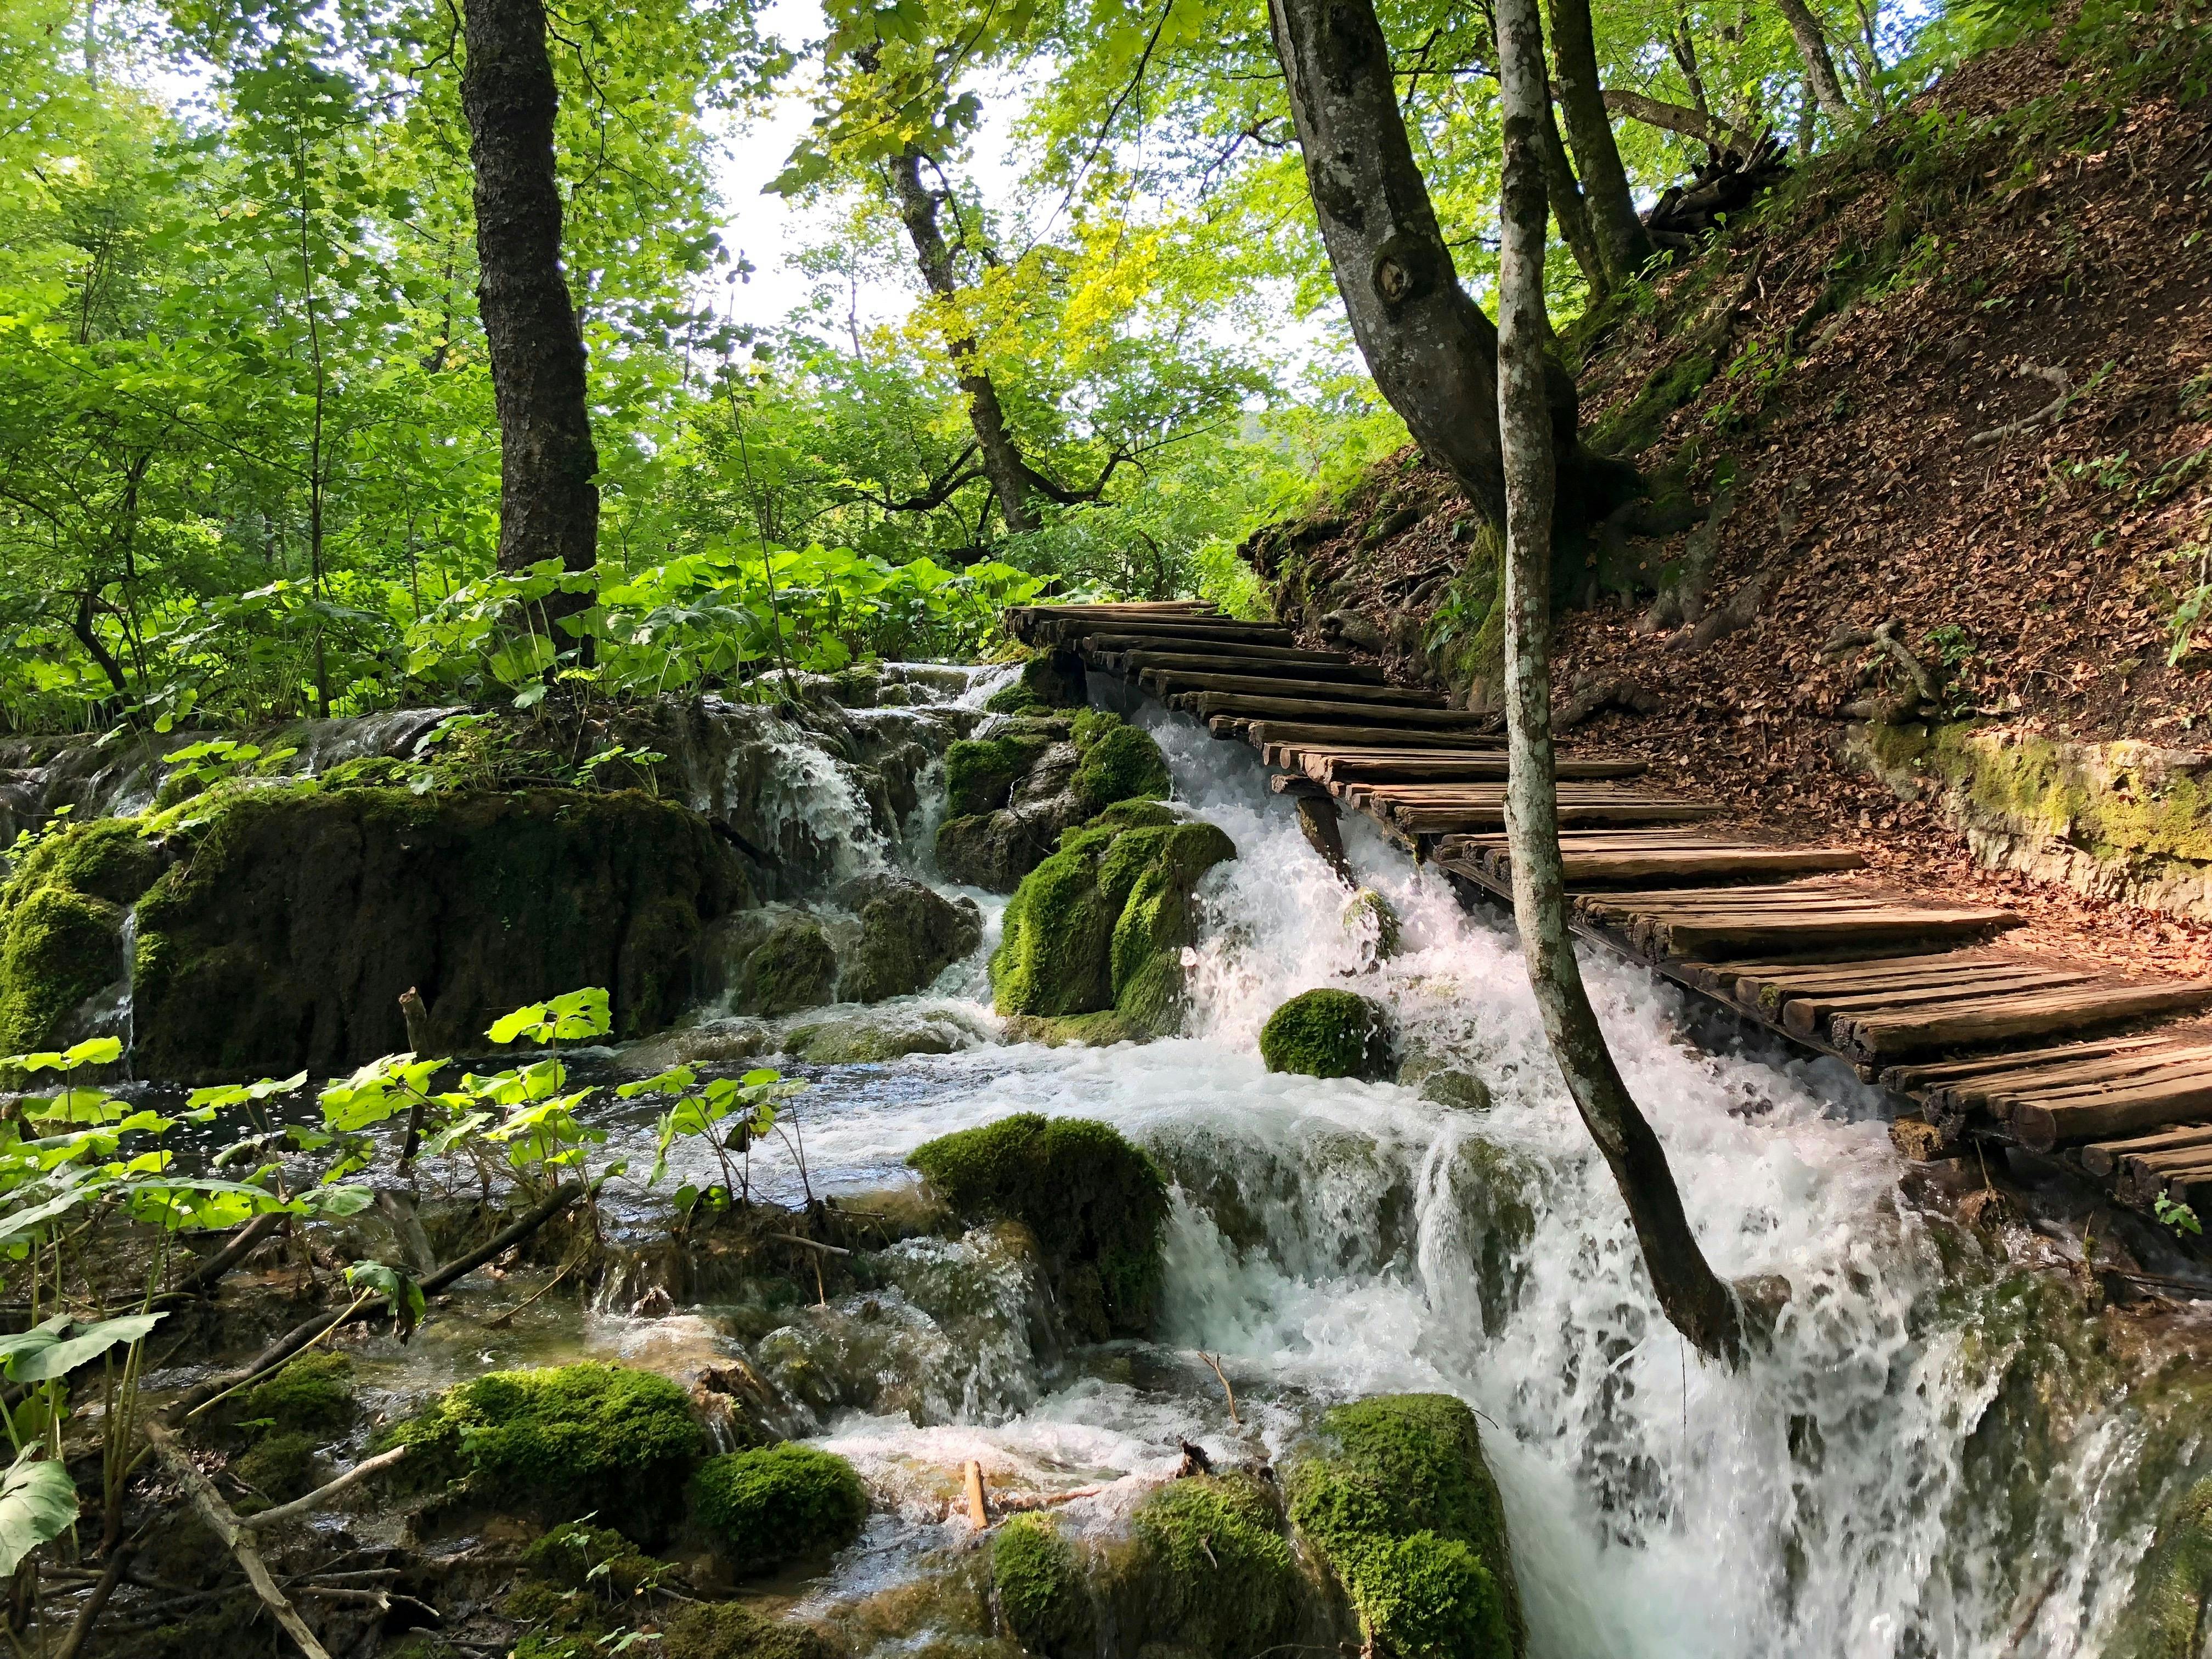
<point x="127" y="1010"/>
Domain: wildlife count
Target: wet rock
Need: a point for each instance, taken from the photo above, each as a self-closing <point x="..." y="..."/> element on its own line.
<point x="1329" y="1033"/>
<point x="314" y="1393"/>
<point x="1373" y="924"/>
<point x="1041" y="1592"/>
<point x="1053" y="679"/>
<point x="279" y="1467"/>
<point x="2165" y="1616"/>
<point x="282" y="938"/>
<point x="1102" y="923"/>
<point x="1435" y="1077"/>
<point x="909" y="935"/>
<point x="1061" y="785"/>
<point x="1097" y="1205"/>
<point x="792" y="966"/>
<point x="1393" y="1494"/>
<point x="865" y="1040"/>
<point x="61" y="925"/>
<point x="778" y="1504"/>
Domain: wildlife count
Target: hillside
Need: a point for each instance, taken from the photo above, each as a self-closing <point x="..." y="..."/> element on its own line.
<point x="1956" y="377"/>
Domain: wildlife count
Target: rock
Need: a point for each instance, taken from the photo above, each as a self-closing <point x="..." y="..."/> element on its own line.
<point x="1353" y="627"/>
<point x="281" y="1466"/>
<point x="979" y="773"/>
<point x="61" y="925"/>
<point x="778" y="1504"/>
<point x="865" y="1039"/>
<point x="557" y="1442"/>
<point x="1449" y="1087"/>
<point x="314" y="1395"/>
<point x="1102" y="762"/>
<point x="1099" y="1031"/>
<point x="909" y="935"/>
<point x="1041" y="1590"/>
<point x="1102" y="923"/>
<point x="1373" y="925"/>
<point x="1393" y="1496"/>
<point x="792" y="968"/>
<point x="1052" y="680"/>
<point x="294" y="917"/>
<point x="1987" y="1209"/>
<point x="1097" y="1204"/>
<point x="1328" y="1033"/>
<point x="2164" y="1615"/>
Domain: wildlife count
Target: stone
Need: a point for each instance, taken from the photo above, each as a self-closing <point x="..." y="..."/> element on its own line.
<point x="1096" y="762"/>
<point x="910" y="934"/>
<point x="1373" y="924"/>
<point x="1329" y="1034"/>
<point x="792" y="968"/>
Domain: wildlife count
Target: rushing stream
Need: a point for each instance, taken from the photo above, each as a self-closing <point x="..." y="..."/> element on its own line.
<point x="1913" y="1469"/>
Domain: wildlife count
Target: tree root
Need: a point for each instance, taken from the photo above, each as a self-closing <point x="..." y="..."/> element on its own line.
<point x="2050" y="411"/>
<point x="1590" y="697"/>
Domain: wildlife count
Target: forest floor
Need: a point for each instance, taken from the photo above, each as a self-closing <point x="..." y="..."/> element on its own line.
<point x="1903" y="303"/>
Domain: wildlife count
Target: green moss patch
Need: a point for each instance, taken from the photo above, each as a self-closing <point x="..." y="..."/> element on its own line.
<point x="564" y="1442"/>
<point x="723" y="1630"/>
<point x="2165" y="1616"/>
<point x="1050" y="681"/>
<point x="793" y="968"/>
<point x="280" y="1467"/>
<point x="779" y="1504"/>
<point x="1399" y="1502"/>
<point x="1097" y="1204"/>
<point x="313" y="1394"/>
<point x="1118" y="762"/>
<point x="979" y="773"/>
<point x="1102" y="923"/>
<point x="1040" y="1589"/>
<point x="577" y="1556"/>
<point x="1372" y="921"/>
<point x="1328" y="1033"/>
<point x="1224" y="1577"/>
<point x="61" y="925"/>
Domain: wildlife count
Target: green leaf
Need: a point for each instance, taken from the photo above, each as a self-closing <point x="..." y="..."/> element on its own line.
<point x="37" y="1502"/>
<point x="42" y="1354"/>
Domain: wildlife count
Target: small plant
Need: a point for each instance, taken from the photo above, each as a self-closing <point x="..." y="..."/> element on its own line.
<point x="2180" y="1217"/>
<point x="729" y="1115"/>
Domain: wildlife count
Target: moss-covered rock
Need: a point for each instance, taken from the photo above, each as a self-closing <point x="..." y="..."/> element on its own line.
<point x="2165" y="1618"/>
<point x="1097" y="1204"/>
<point x="1224" y="1578"/>
<point x="1395" y="1498"/>
<point x="779" y="1504"/>
<point x="724" y="1629"/>
<point x="993" y="836"/>
<point x="563" y="1443"/>
<point x="576" y="1556"/>
<point x="284" y="939"/>
<point x="909" y="935"/>
<point x="1328" y="1033"/>
<point x="792" y="968"/>
<point x="979" y="773"/>
<point x="1039" y="1585"/>
<point x="280" y="1465"/>
<point x="1102" y="923"/>
<point x="1052" y="679"/>
<point x="1117" y="762"/>
<point x="1373" y="924"/>
<point x="61" y="925"/>
<point x="314" y="1393"/>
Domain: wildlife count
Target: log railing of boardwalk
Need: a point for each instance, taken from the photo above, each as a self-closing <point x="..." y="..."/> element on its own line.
<point x="2062" y="1058"/>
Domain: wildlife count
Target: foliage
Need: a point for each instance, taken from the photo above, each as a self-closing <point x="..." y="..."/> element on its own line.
<point x="779" y="1504"/>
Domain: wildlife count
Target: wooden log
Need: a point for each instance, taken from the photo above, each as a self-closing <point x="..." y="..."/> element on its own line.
<point x="1313" y="664"/>
<point x="2040" y="1125"/>
<point x="1768" y="989"/>
<point x="1998" y="1091"/>
<point x="1265" y="732"/>
<point x="1959" y="1026"/>
<point x="1907" y="1080"/>
<point x="2139" y="1178"/>
<point x="2102" y="1158"/>
<point x="1174" y="682"/>
<point x="1316" y="710"/>
<point x="1695" y="936"/>
<point x="1445" y="820"/>
<point x="1221" y="650"/>
<point x="1923" y="1142"/>
<point x="1802" y="1015"/>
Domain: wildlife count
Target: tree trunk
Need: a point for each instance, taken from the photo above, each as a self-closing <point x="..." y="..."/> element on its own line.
<point x="1702" y="1308"/>
<point x="549" y="504"/>
<point x="1677" y="117"/>
<point x="1685" y="47"/>
<point x="1002" y="462"/>
<point x="1621" y="237"/>
<point x="1568" y="207"/>
<point x="1819" y="68"/>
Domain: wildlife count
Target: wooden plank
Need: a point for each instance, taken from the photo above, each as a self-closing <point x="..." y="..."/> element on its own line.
<point x="1169" y="682"/>
<point x="1317" y="664"/>
<point x="1444" y="820"/>
<point x="1801" y="1016"/>
<point x="2102" y="1158"/>
<point x="1368" y="767"/>
<point x="1876" y="1036"/>
<point x="1695" y="936"/>
<point x="1909" y="1079"/>
<point x="1318" y="711"/>
<point x="1114" y="644"/>
<point x="1268" y="731"/>
<point x="2140" y="1176"/>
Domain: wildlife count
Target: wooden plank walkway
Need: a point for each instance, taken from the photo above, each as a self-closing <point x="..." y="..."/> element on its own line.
<point x="2059" y="1058"/>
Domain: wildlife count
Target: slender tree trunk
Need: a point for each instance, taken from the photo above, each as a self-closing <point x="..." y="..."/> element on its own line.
<point x="549" y="504"/>
<point x="1002" y="462"/>
<point x="1568" y="207"/>
<point x="1685" y="47"/>
<point x="1819" y="68"/>
<point x="315" y="438"/>
<point x="1699" y="1305"/>
<point x="1807" y="113"/>
<point x="1621" y="237"/>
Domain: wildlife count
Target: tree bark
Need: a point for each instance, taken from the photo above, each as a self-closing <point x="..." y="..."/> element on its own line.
<point x="1701" y="1307"/>
<point x="1684" y="46"/>
<point x="549" y="504"/>
<point x="1002" y="462"/>
<point x="1621" y="237"/>
<point x="1569" y="209"/>
<point x="1819" y="68"/>
<point x="1675" y="118"/>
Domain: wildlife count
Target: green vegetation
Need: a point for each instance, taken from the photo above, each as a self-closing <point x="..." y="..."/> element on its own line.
<point x="1373" y="923"/>
<point x="979" y="772"/>
<point x="577" y="1556"/>
<point x="1039" y="1588"/>
<point x="1224" y="1579"/>
<point x="61" y="924"/>
<point x="1399" y="1502"/>
<point x="793" y="968"/>
<point x="1328" y="1033"/>
<point x="779" y="1504"/>
<point x="312" y="1393"/>
<point x="1098" y="1205"/>
<point x="984" y="842"/>
<point x="587" y="1438"/>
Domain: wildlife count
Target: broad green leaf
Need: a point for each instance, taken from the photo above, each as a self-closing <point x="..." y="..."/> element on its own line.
<point x="38" y="1504"/>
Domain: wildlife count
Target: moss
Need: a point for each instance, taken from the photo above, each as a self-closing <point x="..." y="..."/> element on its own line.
<point x="1102" y="923"/>
<point x="1371" y="921"/>
<point x="1099" y="1031"/>
<point x="1118" y="762"/>
<point x="979" y="772"/>
<point x="107" y="859"/>
<point x="723" y="1630"/>
<point x="60" y="948"/>
<point x="1050" y="681"/>
<point x="368" y="772"/>
<point x="577" y="1556"/>
<point x="1401" y="1505"/>
<point x="1328" y="1033"/>
<point x="1225" y="1576"/>
<point x="793" y="968"/>
<point x="280" y="1467"/>
<point x="1097" y="1204"/>
<point x="566" y="1441"/>
<point x="314" y="1393"/>
<point x="1040" y="1590"/>
<point x="780" y="1503"/>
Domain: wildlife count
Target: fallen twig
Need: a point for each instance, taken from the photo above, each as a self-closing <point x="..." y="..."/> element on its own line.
<point x="320" y="1497"/>
<point x="224" y="1522"/>
<point x="2051" y="411"/>
<point x="1215" y="1360"/>
<point x="811" y="1244"/>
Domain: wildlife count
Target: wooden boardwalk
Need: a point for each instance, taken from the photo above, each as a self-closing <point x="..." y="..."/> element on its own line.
<point x="2061" y="1058"/>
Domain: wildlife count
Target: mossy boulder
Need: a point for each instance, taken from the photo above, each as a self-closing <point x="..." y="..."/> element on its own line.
<point x="792" y="966"/>
<point x="577" y="1555"/>
<point x="779" y="1504"/>
<point x="1373" y="923"/>
<point x="283" y="939"/>
<point x="562" y="1442"/>
<point x="909" y="935"/>
<point x="1061" y="784"/>
<point x="1328" y="1033"/>
<point x="1102" y="923"/>
<point x="61" y="925"/>
<point x="1097" y="1204"/>
<point x="1394" y="1496"/>
<point x="280" y="1465"/>
<point x="314" y="1393"/>
<point x="1039" y="1580"/>
<point x="725" y="1630"/>
<point x="1052" y="679"/>
<point x="2166" y="1615"/>
<point x="1224" y="1583"/>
